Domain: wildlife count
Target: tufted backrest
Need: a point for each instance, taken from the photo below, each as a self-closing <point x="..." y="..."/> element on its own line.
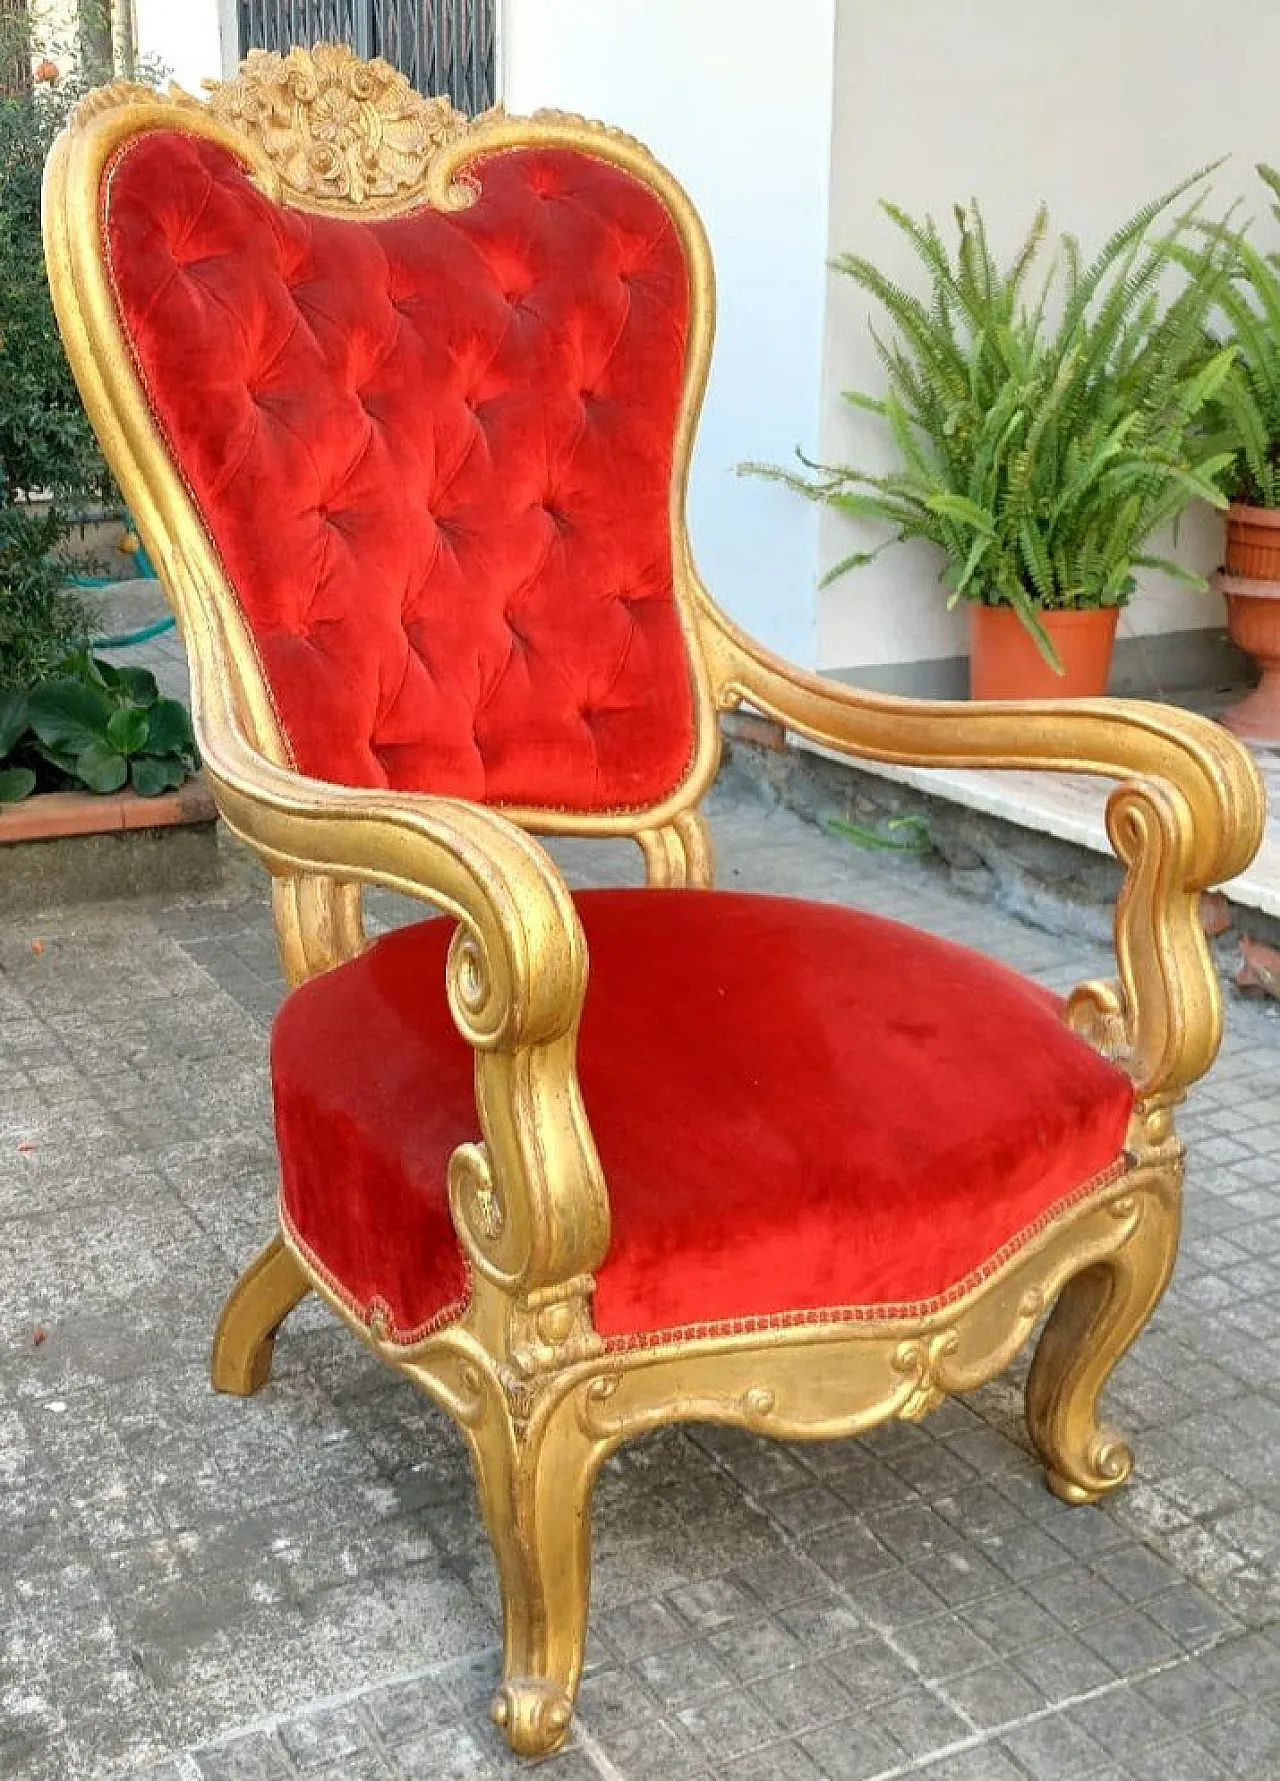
<point x="434" y="454"/>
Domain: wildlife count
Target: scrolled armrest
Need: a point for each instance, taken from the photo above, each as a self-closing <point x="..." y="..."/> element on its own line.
<point x="518" y="967"/>
<point x="1189" y="815"/>
<point x="1115" y="738"/>
<point x="530" y="1204"/>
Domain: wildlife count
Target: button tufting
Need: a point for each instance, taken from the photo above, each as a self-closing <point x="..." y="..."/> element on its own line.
<point x="420" y="635"/>
<point x="197" y="262"/>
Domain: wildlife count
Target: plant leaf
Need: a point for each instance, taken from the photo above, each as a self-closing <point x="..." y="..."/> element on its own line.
<point x="127" y="729"/>
<point x="60" y="758"/>
<point x="16" y="783"/>
<point x="168" y="728"/>
<point x="962" y="508"/>
<point x="14" y="719"/>
<point x="140" y="684"/>
<point x="149" y="776"/>
<point x="857" y="399"/>
<point x="66" y="714"/>
<point x="914" y="831"/>
<point x="857" y="559"/>
<point x="101" y="768"/>
<point x="1174" y="570"/>
<point x="90" y="669"/>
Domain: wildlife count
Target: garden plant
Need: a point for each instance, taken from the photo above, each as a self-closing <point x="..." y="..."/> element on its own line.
<point x="1045" y="421"/>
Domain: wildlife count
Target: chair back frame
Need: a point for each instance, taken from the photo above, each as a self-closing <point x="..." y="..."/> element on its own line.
<point x="393" y="152"/>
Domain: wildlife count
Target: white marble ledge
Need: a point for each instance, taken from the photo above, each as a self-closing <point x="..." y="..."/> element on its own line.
<point x="1071" y="806"/>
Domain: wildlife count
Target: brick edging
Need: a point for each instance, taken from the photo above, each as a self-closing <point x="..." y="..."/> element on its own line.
<point x="52" y="816"/>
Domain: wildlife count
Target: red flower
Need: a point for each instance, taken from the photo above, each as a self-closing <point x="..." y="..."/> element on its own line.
<point x="46" y="70"/>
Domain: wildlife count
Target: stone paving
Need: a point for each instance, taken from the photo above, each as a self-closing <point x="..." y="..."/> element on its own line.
<point x="296" y="1585"/>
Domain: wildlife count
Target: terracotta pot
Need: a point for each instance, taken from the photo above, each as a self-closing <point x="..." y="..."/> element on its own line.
<point x="1004" y="662"/>
<point x="1253" y="620"/>
<point x="1253" y="542"/>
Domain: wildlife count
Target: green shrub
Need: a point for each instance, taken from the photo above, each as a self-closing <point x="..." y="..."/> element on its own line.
<point x="94" y="726"/>
<point x="40" y="622"/>
<point x="46" y="445"/>
<point x="46" y="442"/>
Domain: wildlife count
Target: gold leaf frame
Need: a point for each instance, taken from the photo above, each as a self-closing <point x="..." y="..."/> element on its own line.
<point x="538" y="1396"/>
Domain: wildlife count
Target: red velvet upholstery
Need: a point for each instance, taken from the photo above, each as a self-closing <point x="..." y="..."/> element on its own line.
<point x="798" y="1108"/>
<point x="434" y="453"/>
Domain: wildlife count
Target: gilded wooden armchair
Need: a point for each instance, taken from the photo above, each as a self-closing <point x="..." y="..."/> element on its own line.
<point x="404" y="405"/>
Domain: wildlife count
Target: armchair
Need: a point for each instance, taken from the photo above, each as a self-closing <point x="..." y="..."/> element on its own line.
<point x="403" y="404"/>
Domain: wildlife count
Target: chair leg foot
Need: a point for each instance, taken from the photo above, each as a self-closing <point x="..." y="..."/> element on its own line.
<point x="257" y="1305"/>
<point x="534" y="1715"/>
<point x="1099" y="1313"/>
<point x="535" y="1492"/>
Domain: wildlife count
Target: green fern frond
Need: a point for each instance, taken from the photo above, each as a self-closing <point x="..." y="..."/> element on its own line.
<point x="1025" y="257"/>
<point x="1127" y="235"/>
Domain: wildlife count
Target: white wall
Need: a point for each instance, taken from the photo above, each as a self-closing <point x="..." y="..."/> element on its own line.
<point x="1095" y="106"/>
<point x="735" y="97"/>
<point x="183" y="34"/>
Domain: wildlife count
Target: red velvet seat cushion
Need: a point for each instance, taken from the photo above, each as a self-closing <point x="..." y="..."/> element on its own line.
<point x="434" y="453"/>
<point x="799" y="1108"/>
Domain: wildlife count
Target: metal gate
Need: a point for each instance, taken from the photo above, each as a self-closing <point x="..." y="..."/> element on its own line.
<point x="444" y="46"/>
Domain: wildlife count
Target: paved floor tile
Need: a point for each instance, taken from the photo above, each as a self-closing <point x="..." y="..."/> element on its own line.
<point x="296" y="1586"/>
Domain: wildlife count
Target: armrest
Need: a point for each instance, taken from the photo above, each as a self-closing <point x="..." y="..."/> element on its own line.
<point x="529" y="1204"/>
<point x="1189" y="815"/>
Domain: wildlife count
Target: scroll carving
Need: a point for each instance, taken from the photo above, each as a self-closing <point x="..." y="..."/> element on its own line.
<point x="126" y="92"/>
<point x="1097" y="1011"/>
<point x="923" y="1360"/>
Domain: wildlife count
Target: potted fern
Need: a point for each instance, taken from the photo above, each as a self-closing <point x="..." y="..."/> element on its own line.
<point x="1244" y="417"/>
<point x="1045" y="423"/>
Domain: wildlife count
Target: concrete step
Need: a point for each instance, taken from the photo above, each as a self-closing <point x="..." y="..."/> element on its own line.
<point x="1033" y="843"/>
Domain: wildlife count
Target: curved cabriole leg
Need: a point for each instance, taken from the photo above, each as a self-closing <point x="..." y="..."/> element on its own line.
<point x="535" y="1491"/>
<point x="1098" y="1314"/>
<point x="257" y="1305"/>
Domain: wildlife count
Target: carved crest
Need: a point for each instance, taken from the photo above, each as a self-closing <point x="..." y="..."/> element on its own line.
<point x="338" y="131"/>
<point x="336" y="128"/>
